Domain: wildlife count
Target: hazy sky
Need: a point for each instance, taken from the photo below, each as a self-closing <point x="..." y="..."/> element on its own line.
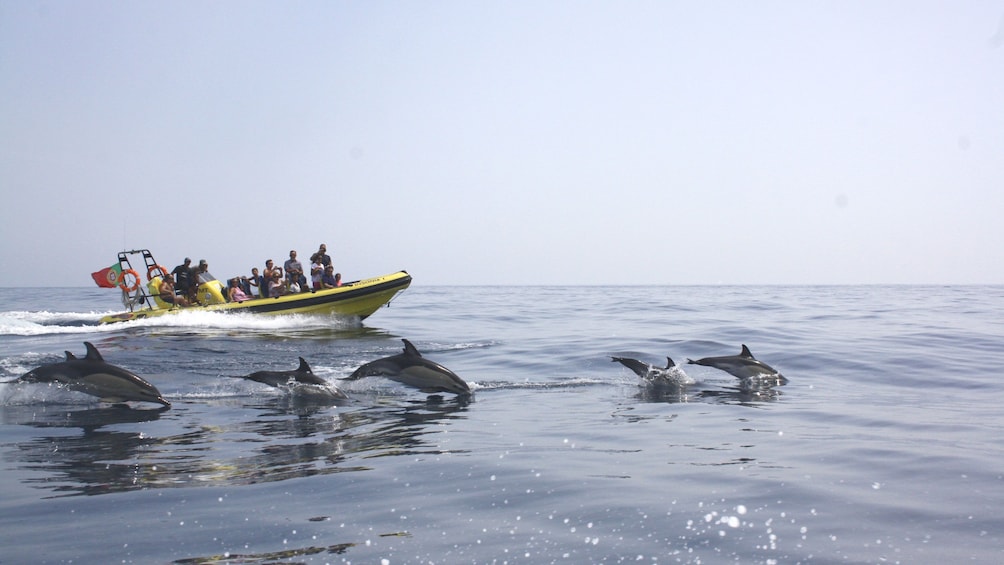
<point x="520" y="142"/>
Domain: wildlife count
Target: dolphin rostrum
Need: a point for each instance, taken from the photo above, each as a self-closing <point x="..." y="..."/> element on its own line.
<point x="92" y="375"/>
<point x="302" y="375"/>
<point x="744" y="366"/>
<point x="653" y="374"/>
<point x="411" y="369"/>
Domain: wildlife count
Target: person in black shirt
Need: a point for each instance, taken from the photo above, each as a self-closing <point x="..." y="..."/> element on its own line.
<point x="182" y="274"/>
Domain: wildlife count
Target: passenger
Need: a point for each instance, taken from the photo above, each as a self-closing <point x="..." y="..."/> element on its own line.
<point x="183" y="274"/>
<point x="167" y="292"/>
<point x="270" y="269"/>
<point x="276" y="287"/>
<point x="293" y="287"/>
<point x="202" y="275"/>
<point x="316" y="271"/>
<point x="294" y="270"/>
<point x="255" y="281"/>
<point x="193" y="285"/>
<point x="329" y="279"/>
<point x="323" y="252"/>
<point x="236" y="294"/>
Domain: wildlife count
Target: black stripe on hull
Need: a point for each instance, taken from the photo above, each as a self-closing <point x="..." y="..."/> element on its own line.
<point x="274" y="305"/>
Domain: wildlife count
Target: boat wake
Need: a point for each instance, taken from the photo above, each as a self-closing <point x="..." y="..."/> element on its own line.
<point x="42" y="323"/>
<point x="48" y="323"/>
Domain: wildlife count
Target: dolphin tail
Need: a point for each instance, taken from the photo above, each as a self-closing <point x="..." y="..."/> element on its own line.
<point x="639" y="368"/>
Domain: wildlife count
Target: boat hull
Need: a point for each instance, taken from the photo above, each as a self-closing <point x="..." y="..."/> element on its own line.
<point x="359" y="299"/>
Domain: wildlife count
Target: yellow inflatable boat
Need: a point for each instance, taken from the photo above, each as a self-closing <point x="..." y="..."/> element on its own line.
<point x="357" y="298"/>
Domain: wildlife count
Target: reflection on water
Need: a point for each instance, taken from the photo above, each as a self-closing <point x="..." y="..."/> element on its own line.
<point x="79" y="464"/>
<point x="269" y="557"/>
<point x="673" y="394"/>
<point x="290" y="440"/>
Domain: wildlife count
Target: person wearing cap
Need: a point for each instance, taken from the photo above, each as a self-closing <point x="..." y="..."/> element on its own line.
<point x="202" y="275"/>
<point x="182" y="273"/>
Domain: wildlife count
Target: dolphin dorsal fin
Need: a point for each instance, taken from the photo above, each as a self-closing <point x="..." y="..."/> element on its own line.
<point x="70" y="356"/>
<point x="304" y="367"/>
<point x="92" y="352"/>
<point x="669" y="363"/>
<point x="746" y="352"/>
<point x="410" y="349"/>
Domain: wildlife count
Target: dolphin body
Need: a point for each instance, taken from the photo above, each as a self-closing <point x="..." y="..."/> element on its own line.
<point x="744" y="366"/>
<point x="410" y="368"/>
<point x="653" y="374"/>
<point x="92" y="375"/>
<point x="301" y="376"/>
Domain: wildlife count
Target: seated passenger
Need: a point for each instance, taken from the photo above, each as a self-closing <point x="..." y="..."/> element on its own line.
<point x="167" y="292"/>
<point x="276" y="287"/>
<point x="329" y="279"/>
<point x="236" y="293"/>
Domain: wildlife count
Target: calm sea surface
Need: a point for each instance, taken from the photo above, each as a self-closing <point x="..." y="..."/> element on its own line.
<point x="886" y="445"/>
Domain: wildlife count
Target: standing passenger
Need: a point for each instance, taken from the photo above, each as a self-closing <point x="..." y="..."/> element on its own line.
<point x="294" y="270"/>
<point x="316" y="271"/>
<point x="183" y="274"/>
<point x="323" y="252"/>
<point x="255" y="281"/>
<point x="270" y="269"/>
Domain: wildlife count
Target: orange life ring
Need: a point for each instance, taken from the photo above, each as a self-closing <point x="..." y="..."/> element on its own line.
<point x="149" y="272"/>
<point x="122" y="280"/>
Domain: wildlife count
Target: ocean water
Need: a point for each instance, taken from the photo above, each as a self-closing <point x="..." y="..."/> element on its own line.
<point x="885" y="446"/>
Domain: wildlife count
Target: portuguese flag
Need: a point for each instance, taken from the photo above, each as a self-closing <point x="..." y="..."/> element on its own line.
<point x="108" y="277"/>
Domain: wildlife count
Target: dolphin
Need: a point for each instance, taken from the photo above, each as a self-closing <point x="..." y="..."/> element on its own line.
<point x="411" y="369"/>
<point x="653" y="374"/>
<point x="92" y="375"/>
<point x="302" y="375"/>
<point x="744" y="366"/>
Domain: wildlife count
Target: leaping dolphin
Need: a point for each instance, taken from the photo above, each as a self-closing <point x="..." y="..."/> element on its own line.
<point x="744" y="366"/>
<point x="92" y="375"/>
<point x="653" y="374"/>
<point x="410" y="368"/>
<point x="302" y="375"/>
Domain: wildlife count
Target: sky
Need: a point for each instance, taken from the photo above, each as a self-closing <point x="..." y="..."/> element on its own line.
<point x="476" y="142"/>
